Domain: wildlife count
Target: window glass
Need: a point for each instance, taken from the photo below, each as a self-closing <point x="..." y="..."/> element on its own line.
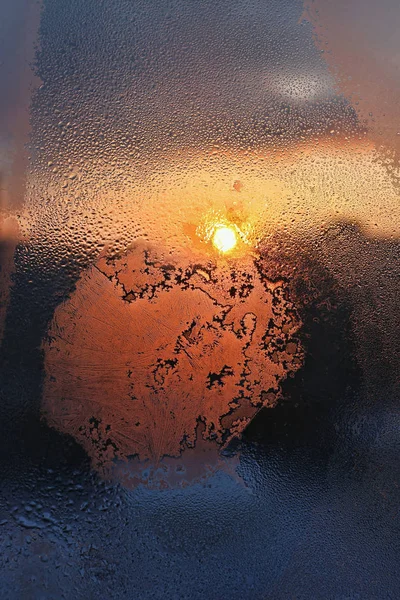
<point x="199" y="281"/>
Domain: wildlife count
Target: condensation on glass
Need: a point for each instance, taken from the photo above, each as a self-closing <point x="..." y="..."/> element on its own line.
<point x="192" y="193"/>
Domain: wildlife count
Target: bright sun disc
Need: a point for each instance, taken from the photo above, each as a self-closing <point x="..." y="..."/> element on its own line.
<point x="224" y="238"/>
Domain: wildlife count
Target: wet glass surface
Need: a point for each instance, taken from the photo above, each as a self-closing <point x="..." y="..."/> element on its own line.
<point x="199" y="319"/>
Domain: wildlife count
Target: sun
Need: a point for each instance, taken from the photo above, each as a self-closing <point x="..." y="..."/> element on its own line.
<point x="224" y="238"/>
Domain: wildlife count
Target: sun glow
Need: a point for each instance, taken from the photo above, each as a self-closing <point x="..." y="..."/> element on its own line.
<point x="224" y="238"/>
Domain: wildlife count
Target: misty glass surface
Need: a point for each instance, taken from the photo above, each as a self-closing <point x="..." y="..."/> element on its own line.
<point x="199" y="290"/>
